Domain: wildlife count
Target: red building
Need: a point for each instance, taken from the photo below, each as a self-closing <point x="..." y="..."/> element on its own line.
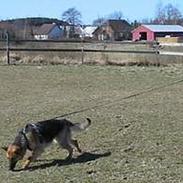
<point x="151" y="32"/>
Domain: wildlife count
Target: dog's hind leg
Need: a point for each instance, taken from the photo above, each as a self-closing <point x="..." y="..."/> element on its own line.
<point x="76" y="145"/>
<point x="70" y="150"/>
<point x="64" y="143"/>
<point x="69" y="146"/>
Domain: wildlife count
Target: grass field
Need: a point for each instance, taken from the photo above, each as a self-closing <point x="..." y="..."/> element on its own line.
<point x="132" y="139"/>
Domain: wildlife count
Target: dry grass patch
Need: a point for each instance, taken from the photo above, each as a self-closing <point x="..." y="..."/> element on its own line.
<point x="136" y="139"/>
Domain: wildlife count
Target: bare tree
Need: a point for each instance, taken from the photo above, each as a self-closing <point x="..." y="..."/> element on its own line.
<point x="135" y="24"/>
<point x="117" y="15"/>
<point x="146" y="21"/>
<point x="72" y="16"/>
<point x="173" y="14"/>
<point x="168" y="14"/>
<point x="160" y="14"/>
<point x="99" y="21"/>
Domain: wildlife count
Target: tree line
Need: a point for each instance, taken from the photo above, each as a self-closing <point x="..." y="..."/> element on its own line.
<point x="165" y="14"/>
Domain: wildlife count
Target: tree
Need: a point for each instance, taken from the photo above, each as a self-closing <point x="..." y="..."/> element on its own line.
<point x="173" y="15"/>
<point x="117" y="15"/>
<point x="160" y="14"/>
<point x="146" y="21"/>
<point x="72" y="16"/>
<point x="99" y="21"/>
<point x="168" y="14"/>
<point x="135" y="24"/>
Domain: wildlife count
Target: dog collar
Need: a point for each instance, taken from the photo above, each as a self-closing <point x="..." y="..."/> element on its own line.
<point x="26" y="139"/>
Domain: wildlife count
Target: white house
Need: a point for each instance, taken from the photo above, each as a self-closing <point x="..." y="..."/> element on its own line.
<point x="88" y="31"/>
<point x="49" y="31"/>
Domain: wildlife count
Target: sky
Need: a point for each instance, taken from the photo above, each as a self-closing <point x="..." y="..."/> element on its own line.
<point x="90" y="9"/>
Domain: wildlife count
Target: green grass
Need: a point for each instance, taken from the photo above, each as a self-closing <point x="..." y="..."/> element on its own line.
<point x="136" y="139"/>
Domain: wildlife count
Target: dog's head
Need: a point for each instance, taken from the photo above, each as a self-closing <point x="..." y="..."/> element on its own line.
<point x="14" y="153"/>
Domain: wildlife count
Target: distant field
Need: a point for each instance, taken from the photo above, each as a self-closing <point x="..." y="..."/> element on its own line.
<point x="135" y="139"/>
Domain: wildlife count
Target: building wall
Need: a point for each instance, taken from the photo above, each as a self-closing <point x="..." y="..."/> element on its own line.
<point x="136" y="34"/>
<point x="152" y="36"/>
<point x="169" y="34"/>
<point x="107" y="33"/>
<point x="104" y="33"/>
<point x="56" y="33"/>
<point x="41" y="37"/>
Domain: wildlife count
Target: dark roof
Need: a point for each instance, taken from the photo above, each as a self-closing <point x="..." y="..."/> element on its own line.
<point x="45" y="29"/>
<point x="118" y="25"/>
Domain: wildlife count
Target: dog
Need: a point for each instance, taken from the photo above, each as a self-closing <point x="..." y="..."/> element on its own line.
<point x="35" y="137"/>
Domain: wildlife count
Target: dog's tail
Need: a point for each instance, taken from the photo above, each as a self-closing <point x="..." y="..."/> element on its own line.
<point x="77" y="127"/>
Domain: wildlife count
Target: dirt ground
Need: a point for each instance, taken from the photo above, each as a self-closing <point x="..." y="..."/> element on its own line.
<point x="137" y="121"/>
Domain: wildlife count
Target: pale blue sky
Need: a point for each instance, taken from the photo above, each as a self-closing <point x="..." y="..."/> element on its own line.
<point x="90" y="9"/>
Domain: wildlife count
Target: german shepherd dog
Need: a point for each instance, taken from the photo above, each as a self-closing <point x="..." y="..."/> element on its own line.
<point x="36" y="136"/>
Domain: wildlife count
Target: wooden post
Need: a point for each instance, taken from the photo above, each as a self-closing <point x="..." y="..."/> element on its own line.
<point x="7" y="48"/>
<point x="82" y="51"/>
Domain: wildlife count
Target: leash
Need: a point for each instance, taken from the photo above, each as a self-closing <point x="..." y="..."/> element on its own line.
<point x="119" y="100"/>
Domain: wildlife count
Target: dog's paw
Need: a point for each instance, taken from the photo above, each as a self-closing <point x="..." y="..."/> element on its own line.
<point x="26" y="164"/>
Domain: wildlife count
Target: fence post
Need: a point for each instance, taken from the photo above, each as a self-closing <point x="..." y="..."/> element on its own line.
<point x="82" y="51"/>
<point x="7" y="48"/>
<point x="157" y="53"/>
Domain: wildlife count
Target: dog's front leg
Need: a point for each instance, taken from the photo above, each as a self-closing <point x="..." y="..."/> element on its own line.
<point x="32" y="158"/>
<point x="29" y="159"/>
<point x="27" y="163"/>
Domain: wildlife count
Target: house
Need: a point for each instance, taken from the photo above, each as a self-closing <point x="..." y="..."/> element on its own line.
<point x="153" y="32"/>
<point x="16" y="29"/>
<point x="88" y="31"/>
<point x="2" y="35"/>
<point x="72" y="31"/>
<point x="49" y="31"/>
<point x="78" y="31"/>
<point x="113" y="30"/>
<point x="6" y="27"/>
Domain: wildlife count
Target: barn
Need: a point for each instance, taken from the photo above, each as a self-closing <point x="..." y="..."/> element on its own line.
<point x="152" y="32"/>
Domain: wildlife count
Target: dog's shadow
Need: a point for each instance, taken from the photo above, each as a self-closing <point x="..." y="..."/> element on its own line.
<point x="83" y="158"/>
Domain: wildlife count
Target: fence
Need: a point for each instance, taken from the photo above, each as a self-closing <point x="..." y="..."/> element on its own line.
<point x="84" y="52"/>
<point x="80" y="51"/>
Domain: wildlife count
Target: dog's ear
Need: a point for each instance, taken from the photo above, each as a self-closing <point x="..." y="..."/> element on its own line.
<point x="4" y="148"/>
